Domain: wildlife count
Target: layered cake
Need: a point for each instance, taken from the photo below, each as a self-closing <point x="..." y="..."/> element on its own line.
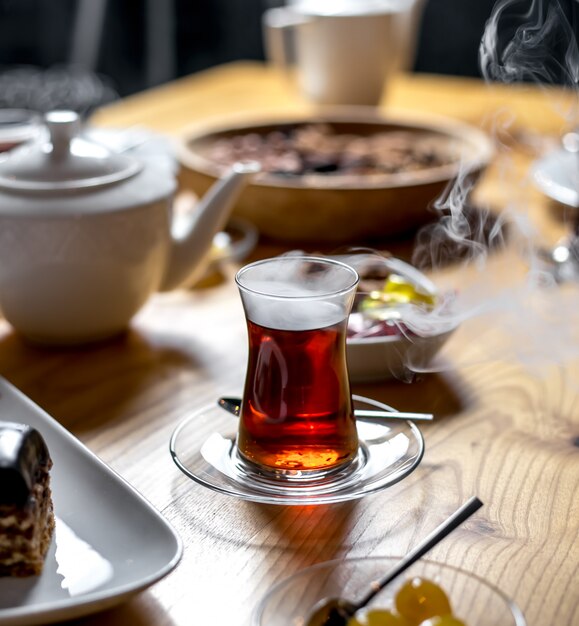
<point x="26" y="513"/>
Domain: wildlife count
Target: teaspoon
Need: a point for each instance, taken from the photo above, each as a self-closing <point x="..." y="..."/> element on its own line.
<point x="233" y="405"/>
<point x="337" y="611"/>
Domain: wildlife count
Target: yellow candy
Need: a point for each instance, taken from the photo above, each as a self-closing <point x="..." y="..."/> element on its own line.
<point x="445" y="620"/>
<point x="396" y="291"/>
<point x="419" y="599"/>
<point x="399" y="289"/>
<point x="377" y="617"/>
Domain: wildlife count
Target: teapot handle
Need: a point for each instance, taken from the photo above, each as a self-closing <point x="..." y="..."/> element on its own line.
<point x="189" y="251"/>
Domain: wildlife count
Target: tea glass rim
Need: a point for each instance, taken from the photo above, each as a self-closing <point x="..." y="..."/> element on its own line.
<point x="293" y="297"/>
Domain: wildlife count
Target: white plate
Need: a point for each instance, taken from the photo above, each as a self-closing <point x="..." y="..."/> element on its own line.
<point x="110" y="543"/>
<point x="557" y="176"/>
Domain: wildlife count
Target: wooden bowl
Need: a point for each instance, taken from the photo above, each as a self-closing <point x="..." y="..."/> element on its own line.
<point x="336" y="208"/>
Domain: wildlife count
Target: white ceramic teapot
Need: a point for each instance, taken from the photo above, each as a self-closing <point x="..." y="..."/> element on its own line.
<point x="86" y="234"/>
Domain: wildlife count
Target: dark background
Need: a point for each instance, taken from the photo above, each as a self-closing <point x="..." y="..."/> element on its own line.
<point x="146" y="42"/>
<point x="205" y="33"/>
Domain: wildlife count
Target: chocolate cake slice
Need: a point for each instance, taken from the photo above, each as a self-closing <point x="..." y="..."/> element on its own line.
<point x="26" y="513"/>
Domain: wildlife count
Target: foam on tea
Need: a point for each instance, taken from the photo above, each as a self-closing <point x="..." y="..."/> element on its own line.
<point x="296" y="298"/>
<point x="275" y="313"/>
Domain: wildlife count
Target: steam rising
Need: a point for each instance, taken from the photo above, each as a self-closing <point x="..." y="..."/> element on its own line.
<point x="522" y="42"/>
<point x="535" y="317"/>
<point x="58" y="87"/>
<point x="533" y="41"/>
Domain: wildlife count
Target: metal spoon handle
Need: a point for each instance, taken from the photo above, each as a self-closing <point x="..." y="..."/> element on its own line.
<point x="398" y="415"/>
<point x="455" y="520"/>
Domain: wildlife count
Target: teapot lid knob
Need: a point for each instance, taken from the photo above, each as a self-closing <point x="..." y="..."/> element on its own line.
<point x="63" y="126"/>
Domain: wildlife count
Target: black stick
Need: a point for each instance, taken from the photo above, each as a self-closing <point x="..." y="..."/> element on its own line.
<point x="461" y="515"/>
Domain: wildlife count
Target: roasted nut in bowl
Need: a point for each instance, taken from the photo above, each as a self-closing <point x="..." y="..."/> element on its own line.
<point x="342" y="176"/>
<point x="473" y="601"/>
<point x="398" y="324"/>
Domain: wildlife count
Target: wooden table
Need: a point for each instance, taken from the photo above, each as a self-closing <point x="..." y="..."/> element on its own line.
<point x="506" y="398"/>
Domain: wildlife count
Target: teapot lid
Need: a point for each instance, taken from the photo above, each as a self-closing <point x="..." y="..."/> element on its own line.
<point x="63" y="160"/>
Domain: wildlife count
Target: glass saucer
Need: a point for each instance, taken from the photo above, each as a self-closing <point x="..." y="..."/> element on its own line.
<point x="203" y="447"/>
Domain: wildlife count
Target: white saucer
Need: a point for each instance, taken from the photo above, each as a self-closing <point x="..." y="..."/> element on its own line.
<point x="557" y="176"/>
<point x="203" y="447"/>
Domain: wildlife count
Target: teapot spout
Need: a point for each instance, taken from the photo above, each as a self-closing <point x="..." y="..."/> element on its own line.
<point x="189" y="252"/>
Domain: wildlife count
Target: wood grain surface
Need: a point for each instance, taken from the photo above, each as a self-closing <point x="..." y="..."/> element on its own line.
<point x="505" y="393"/>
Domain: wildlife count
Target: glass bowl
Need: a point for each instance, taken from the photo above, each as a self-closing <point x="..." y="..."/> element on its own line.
<point x="473" y="600"/>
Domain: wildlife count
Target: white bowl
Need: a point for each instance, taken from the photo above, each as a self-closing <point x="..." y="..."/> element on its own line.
<point x="372" y="359"/>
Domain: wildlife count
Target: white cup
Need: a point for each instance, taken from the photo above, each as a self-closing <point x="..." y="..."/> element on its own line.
<point x="343" y="50"/>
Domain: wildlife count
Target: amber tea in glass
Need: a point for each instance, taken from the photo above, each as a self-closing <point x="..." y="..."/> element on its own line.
<point x="296" y="415"/>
